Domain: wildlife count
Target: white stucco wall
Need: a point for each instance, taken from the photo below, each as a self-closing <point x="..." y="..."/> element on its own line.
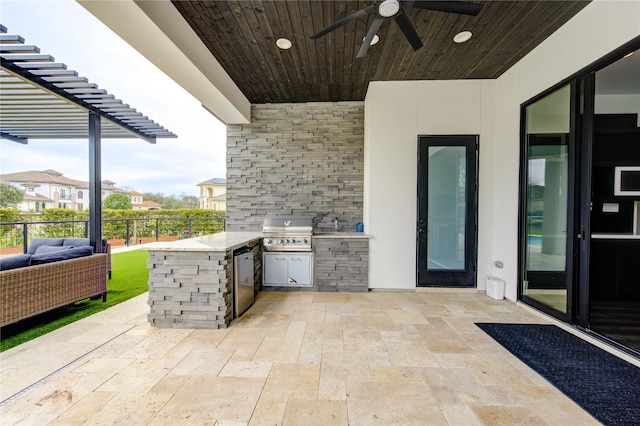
<point x="598" y="29"/>
<point x="397" y="112"/>
<point x="390" y="182"/>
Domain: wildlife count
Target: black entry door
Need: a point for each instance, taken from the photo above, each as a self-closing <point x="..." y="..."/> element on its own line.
<point x="447" y="211"/>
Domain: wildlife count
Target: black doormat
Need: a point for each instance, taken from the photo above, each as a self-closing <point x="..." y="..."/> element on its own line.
<point x="602" y="384"/>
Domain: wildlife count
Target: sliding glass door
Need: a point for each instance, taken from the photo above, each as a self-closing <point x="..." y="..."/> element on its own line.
<point x="548" y="203"/>
<point x="579" y="226"/>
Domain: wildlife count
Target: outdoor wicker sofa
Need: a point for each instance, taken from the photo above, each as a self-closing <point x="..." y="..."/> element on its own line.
<point x="29" y="291"/>
<point x="51" y="279"/>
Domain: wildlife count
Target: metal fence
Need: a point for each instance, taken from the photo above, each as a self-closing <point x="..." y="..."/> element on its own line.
<point x="120" y="232"/>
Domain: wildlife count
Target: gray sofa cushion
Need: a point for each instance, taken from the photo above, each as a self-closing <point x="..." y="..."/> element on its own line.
<point x="79" y="242"/>
<point x="14" y="262"/>
<point x="76" y="242"/>
<point x="50" y="249"/>
<point x="60" y="255"/>
<point x="37" y="242"/>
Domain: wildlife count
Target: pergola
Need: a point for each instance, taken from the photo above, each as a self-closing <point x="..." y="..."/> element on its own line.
<point x="42" y="99"/>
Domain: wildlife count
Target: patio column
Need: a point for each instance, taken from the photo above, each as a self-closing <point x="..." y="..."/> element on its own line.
<point x="95" y="183"/>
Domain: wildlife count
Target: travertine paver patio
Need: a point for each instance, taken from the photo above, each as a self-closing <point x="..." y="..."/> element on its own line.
<point x="294" y="358"/>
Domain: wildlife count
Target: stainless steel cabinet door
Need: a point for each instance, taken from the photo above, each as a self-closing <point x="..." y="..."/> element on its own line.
<point x="243" y="281"/>
<point x="275" y="268"/>
<point x="300" y="269"/>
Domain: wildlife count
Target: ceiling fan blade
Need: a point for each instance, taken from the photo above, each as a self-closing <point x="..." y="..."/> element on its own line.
<point x="461" y="7"/>
<point x="359" y="14"/>
<point x="407" y="29"/>
<point x="373" y="29"/>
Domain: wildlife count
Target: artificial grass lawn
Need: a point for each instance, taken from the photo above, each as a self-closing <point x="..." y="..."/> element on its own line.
<point x="130" y="277"/>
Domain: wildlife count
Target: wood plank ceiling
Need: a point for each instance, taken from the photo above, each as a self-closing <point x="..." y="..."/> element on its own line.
<point x="241" y="35"/>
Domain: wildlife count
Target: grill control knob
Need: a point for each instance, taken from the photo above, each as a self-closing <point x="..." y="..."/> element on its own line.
<point x="305" y="241"/>
<point x="281" y="241"/>
<point x="269" y="241"/>
<point x="288" y="241"/>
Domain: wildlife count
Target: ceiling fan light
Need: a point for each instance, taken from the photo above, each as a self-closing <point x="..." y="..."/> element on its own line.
<point x="463" y="36"/>
<point x="388" y="8"/>
<point x="284" y="43"/>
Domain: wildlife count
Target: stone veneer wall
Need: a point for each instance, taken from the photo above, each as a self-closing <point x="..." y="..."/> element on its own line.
<point x="341" y="264"/>
<point x="297" y="160"/>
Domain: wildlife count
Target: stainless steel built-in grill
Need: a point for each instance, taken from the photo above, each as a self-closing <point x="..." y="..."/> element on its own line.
<point x="287" y="257"/>
<point x="287" y="234"/>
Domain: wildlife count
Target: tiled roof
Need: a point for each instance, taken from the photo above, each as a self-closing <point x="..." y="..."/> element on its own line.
<point x="147" y="203"/>
<point x="52" y="177"/>
<point x="44" y="176"/>
<point x="214" y="181"/>
<point x="37" y="197"/>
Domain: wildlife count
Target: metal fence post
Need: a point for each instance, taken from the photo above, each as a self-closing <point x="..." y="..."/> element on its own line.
<point x="157" y="229"/>
<point x="126" y="237"/>
<point x="25" y="237"/>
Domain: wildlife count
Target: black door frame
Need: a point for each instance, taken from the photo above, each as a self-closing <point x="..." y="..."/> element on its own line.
<point x="585" y="134"/>
<point x="447" y="278"/>
<point x="572" y="167"/>
<point x="583" y="89"/>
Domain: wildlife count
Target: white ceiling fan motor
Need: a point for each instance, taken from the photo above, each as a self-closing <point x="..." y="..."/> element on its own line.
<point x="388" y="8"/>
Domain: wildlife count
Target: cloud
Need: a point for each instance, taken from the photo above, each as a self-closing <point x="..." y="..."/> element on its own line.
<point x="84" y="44"/>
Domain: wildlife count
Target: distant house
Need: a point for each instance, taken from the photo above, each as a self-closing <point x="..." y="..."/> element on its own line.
<point x="35" y="202"/>
<point x="138" y="203"/>
<point x="136" y="199"/>
<point x="51" y="189"/>
<point x="213" y="194"/>
<point x="109" y="187"/>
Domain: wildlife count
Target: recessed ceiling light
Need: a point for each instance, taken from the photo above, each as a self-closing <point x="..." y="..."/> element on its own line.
<point x="374" y="40"/>
<point x="627" y="55"/>
<point x="462" y="36"/>
<point x="284" y="43"/>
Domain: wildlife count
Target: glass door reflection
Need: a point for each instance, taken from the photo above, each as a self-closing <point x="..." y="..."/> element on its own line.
<point x="546" y="277"/>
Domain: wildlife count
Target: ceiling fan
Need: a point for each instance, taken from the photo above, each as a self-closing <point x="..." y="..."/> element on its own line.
<point x="392" y="9"/>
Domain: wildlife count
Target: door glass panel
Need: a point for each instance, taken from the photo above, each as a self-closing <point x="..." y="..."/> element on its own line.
<point x="614" y="246"/>
<point x="547" y="208"/>
<point x="446" y="208"/>
<point x="547" y="200"/>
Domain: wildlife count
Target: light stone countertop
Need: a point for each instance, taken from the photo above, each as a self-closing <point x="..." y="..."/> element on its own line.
<point x="341" y="235"/>
<point x="222" y="241"/>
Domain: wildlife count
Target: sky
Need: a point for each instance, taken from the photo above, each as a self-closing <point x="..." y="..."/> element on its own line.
<point x="172" y="166"/>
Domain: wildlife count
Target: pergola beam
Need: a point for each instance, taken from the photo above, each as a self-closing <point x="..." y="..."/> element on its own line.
<point x="69" y="96"/>
<point x="14" y="138"/>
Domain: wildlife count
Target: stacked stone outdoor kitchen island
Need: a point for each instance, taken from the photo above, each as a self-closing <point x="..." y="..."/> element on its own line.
<point x="191" y="281"/>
